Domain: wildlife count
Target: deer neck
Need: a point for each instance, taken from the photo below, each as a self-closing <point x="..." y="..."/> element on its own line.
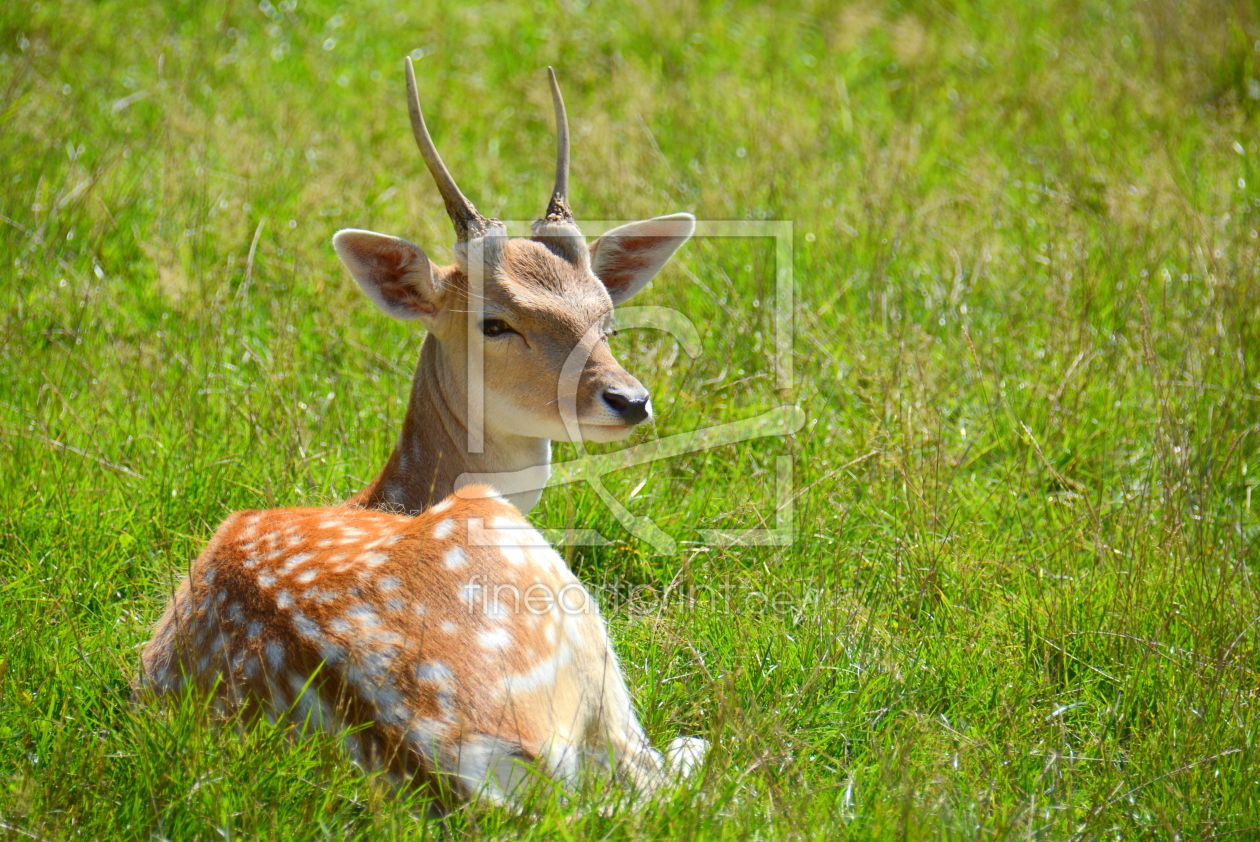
<point x="433" y="454"/>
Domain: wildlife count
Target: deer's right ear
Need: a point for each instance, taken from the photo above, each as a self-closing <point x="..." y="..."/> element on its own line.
<point x="395" y="274"/>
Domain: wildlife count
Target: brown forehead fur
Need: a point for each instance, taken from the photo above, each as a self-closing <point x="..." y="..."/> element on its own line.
<point x="533" y="281"/>
<point x="532" y="263"/>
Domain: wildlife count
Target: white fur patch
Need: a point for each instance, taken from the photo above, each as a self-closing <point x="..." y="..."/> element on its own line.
<point x="274" y="651"/>
<point x="495" y="639"/>
<point x="455" y="558"/>
<point x="363" y="615"/>
<point x="373" y="559"/>
<point x="542" y="675"/>
<point x="294" y="560"/>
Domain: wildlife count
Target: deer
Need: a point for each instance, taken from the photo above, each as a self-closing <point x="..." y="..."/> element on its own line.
<point x="444" y="641"/>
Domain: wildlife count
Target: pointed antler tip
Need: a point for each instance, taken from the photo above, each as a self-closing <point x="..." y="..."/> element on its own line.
<point x="461" y="211"/>
<point x="558" y="208"/>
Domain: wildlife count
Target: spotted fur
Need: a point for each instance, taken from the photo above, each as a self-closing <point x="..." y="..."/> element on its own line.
<point x="459" y="637"/>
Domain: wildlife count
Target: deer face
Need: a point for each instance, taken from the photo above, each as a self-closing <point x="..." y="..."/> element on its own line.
<point x="539" y="313"/>
<point x="536" y="311"/>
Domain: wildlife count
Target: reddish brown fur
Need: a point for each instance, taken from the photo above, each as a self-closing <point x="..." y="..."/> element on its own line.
<point x="328" y="599"/>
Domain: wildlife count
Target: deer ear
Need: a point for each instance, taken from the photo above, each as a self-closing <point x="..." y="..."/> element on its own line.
<point x="395" y="274"/>
<point x="629" y="256"/>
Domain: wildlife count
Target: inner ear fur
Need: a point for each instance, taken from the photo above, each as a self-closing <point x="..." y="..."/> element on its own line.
<point x="396" y="274"/>
<point x="629" y="256"/>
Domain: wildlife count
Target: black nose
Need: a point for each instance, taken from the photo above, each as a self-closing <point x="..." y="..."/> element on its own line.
<point x="630" y="404"/>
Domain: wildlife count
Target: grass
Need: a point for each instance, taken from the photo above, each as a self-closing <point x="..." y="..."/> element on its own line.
<point x="1019" y="603"/>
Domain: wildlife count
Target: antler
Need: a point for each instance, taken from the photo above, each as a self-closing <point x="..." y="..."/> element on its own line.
<point x="558" y="209"/>
<point x="467" y="221"/>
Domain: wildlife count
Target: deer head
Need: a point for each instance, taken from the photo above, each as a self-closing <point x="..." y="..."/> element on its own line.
<point x="530" y="304"/>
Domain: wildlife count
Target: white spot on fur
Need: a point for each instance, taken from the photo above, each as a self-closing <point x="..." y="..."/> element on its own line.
<point x="297" y="683"/>
<point x="504" y="524"/>
<point x="306" y="627"/>
<point x="254" y="629"/>
<point x="283" y="599"/>
<point x="368" y="673"/>
<point x="274" y="651"/>
<point x="443" y="529"/>
<point x="542" y="675"/>
<point x="266" y="580"/>
<point x="513" y="554"/>
<point x="495" y="639"/>
<point x="455" y="558"/>
<point x="449" y="627"/>
<point x="389" y="583"/>
<point x="433" y="671"/>
<point x="387" y="638"/>
<point x="307" y="576"/>
<point x="295" y="560"/>
<point x="374" y="559"/>
<point x="441" y="507"/>
<point x="363" y="615"/>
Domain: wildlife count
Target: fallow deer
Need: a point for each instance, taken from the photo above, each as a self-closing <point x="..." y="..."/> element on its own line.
<point x="451" y="645"/>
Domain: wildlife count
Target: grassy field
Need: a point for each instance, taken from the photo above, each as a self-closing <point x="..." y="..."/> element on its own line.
<point x="1019" y="603"/>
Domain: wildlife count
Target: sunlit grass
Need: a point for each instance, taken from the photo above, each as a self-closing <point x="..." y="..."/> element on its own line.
<point x="1020" y="600"/>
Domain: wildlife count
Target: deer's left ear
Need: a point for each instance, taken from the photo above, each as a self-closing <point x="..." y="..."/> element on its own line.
<point x="629" y="256"/>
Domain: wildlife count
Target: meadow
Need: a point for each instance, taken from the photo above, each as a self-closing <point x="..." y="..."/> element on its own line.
<point x="1018" y="602"/>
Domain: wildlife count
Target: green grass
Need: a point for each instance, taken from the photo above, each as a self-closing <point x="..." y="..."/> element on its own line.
<point x="1020" y="601"/>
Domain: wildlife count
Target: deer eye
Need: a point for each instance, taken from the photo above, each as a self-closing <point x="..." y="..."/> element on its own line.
<point x="495" y="327"/>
